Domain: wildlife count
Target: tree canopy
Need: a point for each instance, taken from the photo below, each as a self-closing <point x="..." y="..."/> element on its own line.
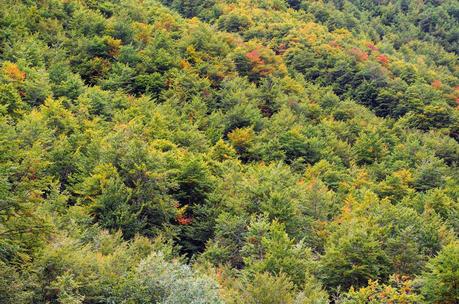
<point x="254" y="152"/>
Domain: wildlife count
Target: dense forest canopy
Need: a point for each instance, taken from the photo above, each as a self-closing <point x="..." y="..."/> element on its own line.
<point x="223" y="151"/>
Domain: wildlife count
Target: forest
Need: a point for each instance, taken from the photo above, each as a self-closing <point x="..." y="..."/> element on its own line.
<point x="229" y="151"/>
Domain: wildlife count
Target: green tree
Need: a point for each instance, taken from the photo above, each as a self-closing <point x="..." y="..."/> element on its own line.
<point x="268" y="248"/>
<point x="440" y="281"/>
<point x="10" y="101"/>
<point x="354" y="258"/>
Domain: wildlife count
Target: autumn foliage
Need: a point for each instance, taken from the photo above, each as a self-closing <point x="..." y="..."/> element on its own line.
<point x="13" y="72"/>
<point x="383" y="59"/>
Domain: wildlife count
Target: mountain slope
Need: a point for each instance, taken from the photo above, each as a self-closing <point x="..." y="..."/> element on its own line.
<point x="228" y="152"/>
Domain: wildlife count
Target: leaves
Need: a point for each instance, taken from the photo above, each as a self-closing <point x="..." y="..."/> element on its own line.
<point x="242" y="152"/>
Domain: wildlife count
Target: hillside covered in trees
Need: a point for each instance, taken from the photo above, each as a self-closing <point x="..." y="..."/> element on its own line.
<point x="229" y="151"/>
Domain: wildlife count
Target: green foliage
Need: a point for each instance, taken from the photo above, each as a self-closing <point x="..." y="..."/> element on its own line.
<point x="190" y="151"/>
<point x="160" y="281"/>
<point x="269" y="249"/>
<point x="10" y="101"/>
<point x="266" y="289"/>
<point x="399" y="289"/>
<point x="353" y="259"/>
<point x="12" y="286"/>
<point x="440" y="281"/>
